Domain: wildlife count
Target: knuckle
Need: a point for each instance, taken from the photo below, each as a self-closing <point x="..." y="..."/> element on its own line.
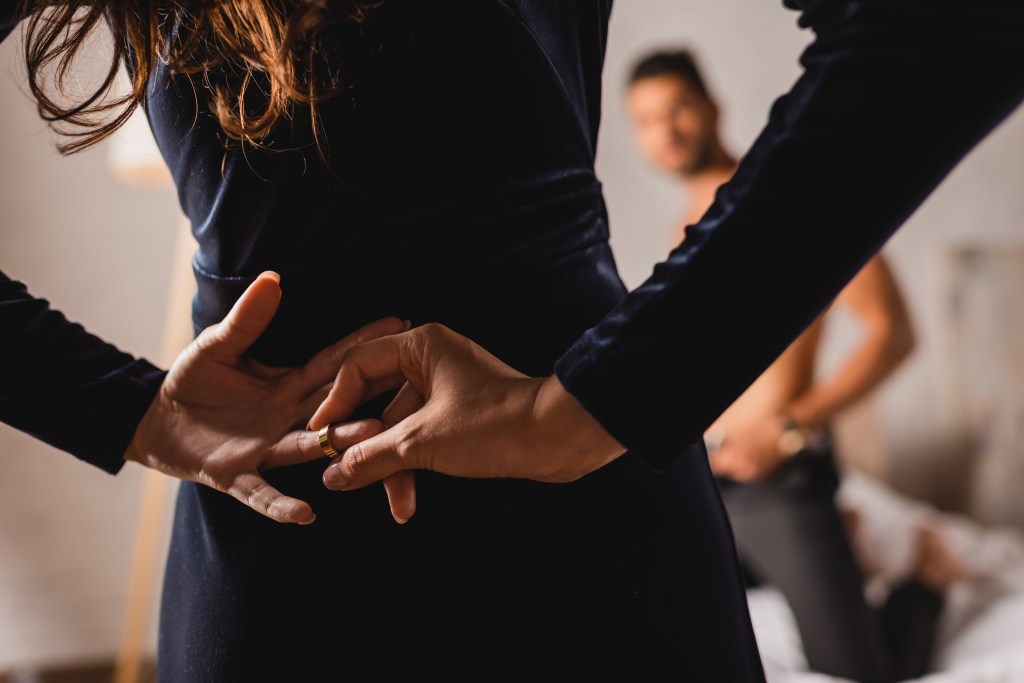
<point x="431" y="329"/>
<point x="215" y="472"/>
<point x="301" y="442"/>
<point x="346" y="354"/>
<point x="338" y="351"/>
<point x="407" y="443"/>
<point x="259" y="497"/>
<point x="208" y="337"/>
<point x="434" y="331"/>
<point x="355" y="459"/>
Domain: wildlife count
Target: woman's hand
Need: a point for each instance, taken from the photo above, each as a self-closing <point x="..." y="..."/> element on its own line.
<point x="221" y="418"/>
<point x="460" y="411"/>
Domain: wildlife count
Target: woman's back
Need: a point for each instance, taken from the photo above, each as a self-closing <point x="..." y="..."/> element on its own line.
<point x="450" y="118"/>
<point x="460" y="190"/>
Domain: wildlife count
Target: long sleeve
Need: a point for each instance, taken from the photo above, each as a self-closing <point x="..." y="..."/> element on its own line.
<point x="59" y="383"/>
<point x="894" y="93"/>
<point x="65" y="386"/>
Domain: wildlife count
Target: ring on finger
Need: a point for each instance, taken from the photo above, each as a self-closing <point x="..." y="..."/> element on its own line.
<point x="325" y="441"/>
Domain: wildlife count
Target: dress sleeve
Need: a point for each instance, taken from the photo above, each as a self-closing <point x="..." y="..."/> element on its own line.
<point x="59" y="383"/>
<point x="894" y="93"/>
<point x="65" y="386"/>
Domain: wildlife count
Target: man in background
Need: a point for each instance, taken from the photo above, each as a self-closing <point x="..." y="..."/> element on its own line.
<point x="772" y="449"/>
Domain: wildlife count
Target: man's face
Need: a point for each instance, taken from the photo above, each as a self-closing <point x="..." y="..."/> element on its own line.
<point x="673" y="122"/>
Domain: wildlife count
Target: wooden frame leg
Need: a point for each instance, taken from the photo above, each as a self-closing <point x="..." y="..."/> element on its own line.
<point x="157" y="487"/>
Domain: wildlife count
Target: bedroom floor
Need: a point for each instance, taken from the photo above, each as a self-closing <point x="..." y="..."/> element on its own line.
<point x="93" y="673"/>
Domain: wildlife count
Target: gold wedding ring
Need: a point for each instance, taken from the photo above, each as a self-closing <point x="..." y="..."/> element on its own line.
<point x="325" y="441"/>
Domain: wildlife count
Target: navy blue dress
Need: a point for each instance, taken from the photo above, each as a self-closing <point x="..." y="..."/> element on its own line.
<point x="461" y="190"/>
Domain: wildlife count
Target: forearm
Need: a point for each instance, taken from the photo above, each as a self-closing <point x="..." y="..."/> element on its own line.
<point x="863" y="372"/>
<point x="864" y="136"/>
<point x="65" y="386"/>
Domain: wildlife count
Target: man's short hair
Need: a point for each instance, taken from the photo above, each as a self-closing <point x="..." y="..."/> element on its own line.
<point x="678" y="63"/>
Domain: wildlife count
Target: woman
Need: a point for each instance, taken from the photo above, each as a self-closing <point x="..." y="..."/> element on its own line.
<point x="441" y="171"/>
<point x="460" y="190"/>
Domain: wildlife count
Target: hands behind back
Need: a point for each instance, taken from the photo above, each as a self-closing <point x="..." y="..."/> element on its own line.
<point x="460" y="411"/>
<point x="221" y="418"/>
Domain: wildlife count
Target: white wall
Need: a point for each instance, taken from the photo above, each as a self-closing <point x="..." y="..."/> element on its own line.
<point x="100" y="251"/>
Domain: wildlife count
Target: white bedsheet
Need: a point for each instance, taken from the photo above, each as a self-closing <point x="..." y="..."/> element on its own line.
<point x="981" y="634"/>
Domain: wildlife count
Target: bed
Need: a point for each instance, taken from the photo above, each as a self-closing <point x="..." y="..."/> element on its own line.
<point x="981" y="632"/>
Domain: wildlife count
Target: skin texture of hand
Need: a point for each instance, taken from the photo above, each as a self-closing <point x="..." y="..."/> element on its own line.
<point x="751" y="455"/>
<point x="221" y="418"/>
<point x="460" y="411"/>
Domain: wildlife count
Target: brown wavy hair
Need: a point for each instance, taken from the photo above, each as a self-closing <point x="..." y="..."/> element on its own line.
<point x="279" y="43"/>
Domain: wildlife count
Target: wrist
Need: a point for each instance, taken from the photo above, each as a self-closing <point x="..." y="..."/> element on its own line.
<point x="565" y="425"/>
<point x="805" y="414"/>
<point x="794" y="436"/>
<point x="139" y="449"/>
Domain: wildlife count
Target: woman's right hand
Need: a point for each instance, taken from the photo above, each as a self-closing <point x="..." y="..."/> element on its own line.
<point x="221" y="418"/>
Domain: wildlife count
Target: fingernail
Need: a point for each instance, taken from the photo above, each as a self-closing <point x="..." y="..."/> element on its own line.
<point x="272" y="274"/>
<point x="334" y="478"/>
<point x="401" y="520"/>
<point x="310" y="521"/>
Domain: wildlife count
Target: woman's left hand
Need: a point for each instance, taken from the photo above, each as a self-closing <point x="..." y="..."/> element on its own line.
<point x="222" y="419"/>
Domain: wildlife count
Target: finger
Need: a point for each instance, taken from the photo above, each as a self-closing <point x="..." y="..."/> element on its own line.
<point x="401" y="486"/>
<point x="392" y="357"/>
<point x="322" y="368"/>
<point x="376" y="458"/>
<point x="254" y="491"/>
<point x="406" y="402"/>
<point x="249" y="317"/>
<point x="310" y="404"/>
<point x="304" y="446"/>
<point x="401" y="490"/>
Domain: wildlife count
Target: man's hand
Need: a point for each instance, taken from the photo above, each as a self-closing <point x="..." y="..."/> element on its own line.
<point x="750" y="455"/>
<point x="220" y="418"/>
<point x="460" y="411"/>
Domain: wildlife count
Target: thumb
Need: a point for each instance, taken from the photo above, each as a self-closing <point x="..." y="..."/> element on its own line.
<point x="250" y="315"/>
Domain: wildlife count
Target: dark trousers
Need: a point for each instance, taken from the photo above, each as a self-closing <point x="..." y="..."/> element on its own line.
<point x="789" y="534"/>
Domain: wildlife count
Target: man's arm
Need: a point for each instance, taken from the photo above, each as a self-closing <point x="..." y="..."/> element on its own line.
<point x="894" y="94"/>
<point x="874" y="298"/>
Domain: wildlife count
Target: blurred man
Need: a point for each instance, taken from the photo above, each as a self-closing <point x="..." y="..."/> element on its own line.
<point x="771" y="449"/>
